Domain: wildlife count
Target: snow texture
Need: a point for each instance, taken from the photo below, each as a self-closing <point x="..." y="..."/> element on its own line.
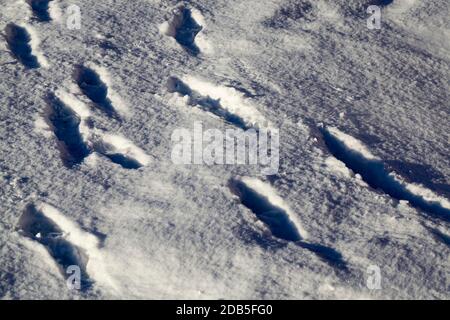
<point x="86" y="176"/>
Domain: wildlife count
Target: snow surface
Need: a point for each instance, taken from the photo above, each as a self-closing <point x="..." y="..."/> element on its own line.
<point x="150" y="229"/>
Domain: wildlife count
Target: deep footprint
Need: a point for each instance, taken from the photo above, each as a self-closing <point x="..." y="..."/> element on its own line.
<point x="124" y="161"/>
<point x="205" y="103"/>
<point x="330" y="255"/>
<point x="374" y="173"/>
<point x="36" y="226"/>
<point x="186" y="30"/>
<point x="441" y="236"/>
<point x="18" y="40"/>
<point x="275" y="218"/>
<point x="95" y="89"/>
<point x="40" y="9"/>
<point x="280" y="224"/>
<point x="66" y="125"/>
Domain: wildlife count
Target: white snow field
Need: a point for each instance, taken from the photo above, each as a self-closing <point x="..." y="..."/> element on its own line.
<point x="360" y="205"/>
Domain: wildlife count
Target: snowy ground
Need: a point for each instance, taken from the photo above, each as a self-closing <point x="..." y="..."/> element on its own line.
<point x="85" y="152"/>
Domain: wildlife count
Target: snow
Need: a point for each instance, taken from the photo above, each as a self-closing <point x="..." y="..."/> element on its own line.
<point x="96" y="266"/>
<point x="34" y="43"/>
<point x="427" y="194"/>
<point x="230" y="99"/>
<point x="119" y="144"/>
<point x="268" y="192"/>
<point x="56" y="14"/>
<point x="349" y="103"/>
<point x="350" y="142"/>
<point x="337" y="166"/>
<point x="113" y="96"/>
<point x="72" y="102"/>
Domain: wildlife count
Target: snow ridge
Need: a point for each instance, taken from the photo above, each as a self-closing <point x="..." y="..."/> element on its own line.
<point x="69" y="117"/>
<point x="262" y="199"/>
<point x="227" y="103"/>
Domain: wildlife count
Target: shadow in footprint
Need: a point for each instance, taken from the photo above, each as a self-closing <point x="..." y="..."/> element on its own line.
<point x="66" y="125"/>
<point x="40" y="9"/>
<point x="95" y="89"/>
<point x="36" y="226"/>
<point x="111" y="152"/>
<point x="382" y="2"/>
<point x="376" y="176"/>
<point x="18" y="40"/>
<point x="123" y="160"/>
<point x="329" y="255"/>
<point x="275" y="218"/>
<point x="420" y="173"/>
<point x="440" y="236"/>
<point x="206" y="103"/>
<point x="280" y="224"/>
<point x="186" y="31"/>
